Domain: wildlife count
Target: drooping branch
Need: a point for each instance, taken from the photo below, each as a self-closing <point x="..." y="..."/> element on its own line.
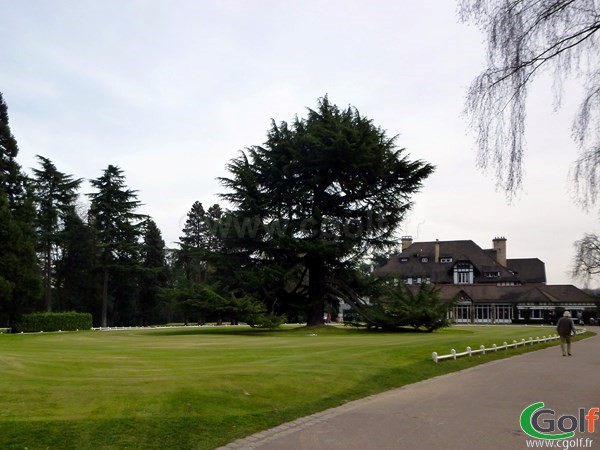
<point x="587" y="257"/>
<point x="523" y="38"/>
<point x="341" y="290"/>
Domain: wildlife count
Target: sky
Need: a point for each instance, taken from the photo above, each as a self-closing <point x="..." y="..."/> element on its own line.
<point x="171" y="91"/>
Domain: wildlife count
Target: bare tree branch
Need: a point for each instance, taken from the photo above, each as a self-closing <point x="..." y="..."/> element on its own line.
<point x="586" y="262"/>
<point x="524" y="37"/>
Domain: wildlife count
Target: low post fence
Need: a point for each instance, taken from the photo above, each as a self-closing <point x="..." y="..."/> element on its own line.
<point x="494" y="348"/>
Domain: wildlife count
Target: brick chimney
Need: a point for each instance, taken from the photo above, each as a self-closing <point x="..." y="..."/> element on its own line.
<point x="500" y="247"/>
<point x="406" y="242"/>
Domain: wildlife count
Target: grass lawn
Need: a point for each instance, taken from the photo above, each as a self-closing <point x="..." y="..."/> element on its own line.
<point x="199" y="388"/>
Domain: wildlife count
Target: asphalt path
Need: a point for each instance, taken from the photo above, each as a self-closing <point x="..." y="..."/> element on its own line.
<point x="477" y="408"/>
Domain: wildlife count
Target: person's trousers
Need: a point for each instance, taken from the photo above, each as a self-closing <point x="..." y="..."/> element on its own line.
<point x="565" y="344"/>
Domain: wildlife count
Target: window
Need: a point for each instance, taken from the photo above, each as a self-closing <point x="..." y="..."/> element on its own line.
<point x="463" y="278"/>
<point x="424" y="259"/>
<point x="462" y="313"/>
<point x="537" y="314"/>
<point x="403" y="259"/>
<point x="482" y="313"/>
<point x="446" y="260"/>
<point x="463" y="273"/>
<point x="534" y="314"/>
<point x="503" y="314"/>
<point x="491" y="274"/>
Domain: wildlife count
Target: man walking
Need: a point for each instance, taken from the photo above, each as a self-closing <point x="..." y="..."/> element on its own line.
<point x="565" y="328"/>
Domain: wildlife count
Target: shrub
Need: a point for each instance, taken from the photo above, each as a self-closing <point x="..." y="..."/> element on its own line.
<point x="64" y="321"/>
<point x="401" y="306"/>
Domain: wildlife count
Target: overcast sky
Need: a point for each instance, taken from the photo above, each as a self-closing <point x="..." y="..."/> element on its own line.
<point x="171" y="91"/>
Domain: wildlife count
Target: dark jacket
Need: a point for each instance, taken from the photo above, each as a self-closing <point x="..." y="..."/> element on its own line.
<point x="565" y="326"/>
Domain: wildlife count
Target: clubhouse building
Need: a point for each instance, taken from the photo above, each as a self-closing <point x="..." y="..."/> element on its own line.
<point x="486" y="286"/>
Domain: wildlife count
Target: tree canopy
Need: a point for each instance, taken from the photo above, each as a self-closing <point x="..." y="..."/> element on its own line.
<point x="118" y="228"/>
<point x="318" y="195"/>
<point x="20" y="284"/>
<point x="19" y="280"/>
<point x="55" y="195"/>
<point x="12" y="179"/>
<point x="154" y="276"/>
<point x="401" y="306"/>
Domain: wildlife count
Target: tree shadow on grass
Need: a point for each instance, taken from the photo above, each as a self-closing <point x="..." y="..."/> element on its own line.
<point x="220" y="330"/>
<point x="242" y="330"/>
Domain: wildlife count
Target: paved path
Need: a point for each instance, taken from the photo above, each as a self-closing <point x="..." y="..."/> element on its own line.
<point x="474" y="409"/>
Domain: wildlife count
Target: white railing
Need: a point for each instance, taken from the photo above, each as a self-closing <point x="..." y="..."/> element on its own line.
<point x="494" y="348"/>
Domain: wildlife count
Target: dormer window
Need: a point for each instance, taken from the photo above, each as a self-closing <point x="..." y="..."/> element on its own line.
<point x="403" y="260"/>
<point x="446" y="260"/>
<point x="463" y="273"/>
<point x="491" y="274"/>
<point x="424" y="259"/>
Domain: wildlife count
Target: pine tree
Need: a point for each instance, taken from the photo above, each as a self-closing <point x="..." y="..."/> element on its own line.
<point x="317" y="196"/>
<point x="198" y="241"/>
<point x="154" y="276"/>
<point x="12" y="179"/>
<point x="19" y="282"/>
<point x="20" y="285"/>
<point x="77" y="280"/>
<point x="118" y="229"/>
<point x="55" y="194"/>
<point x="189" y="256"/>
<point x="401" y="306"/>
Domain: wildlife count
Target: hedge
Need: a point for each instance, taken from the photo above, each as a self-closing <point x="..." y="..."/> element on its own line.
<point x="64" y="321"/>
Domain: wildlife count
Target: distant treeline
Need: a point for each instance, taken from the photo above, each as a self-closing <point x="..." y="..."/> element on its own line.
<point x="308" y="210"/>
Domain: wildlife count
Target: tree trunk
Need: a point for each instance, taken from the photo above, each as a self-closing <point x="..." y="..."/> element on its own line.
<point x="316" y="291"/>
<point x="48" y="279"/>
<point x="104" y="313"/>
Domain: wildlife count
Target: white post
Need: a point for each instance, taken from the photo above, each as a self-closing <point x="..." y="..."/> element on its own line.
<point x="469" y="350"/>
<point x="434" y="356"/>
<point x="482" y="348"/>
<point x="453" y="352"/>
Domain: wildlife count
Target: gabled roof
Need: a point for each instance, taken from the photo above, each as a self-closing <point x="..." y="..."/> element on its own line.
<point x="409" y="263"/>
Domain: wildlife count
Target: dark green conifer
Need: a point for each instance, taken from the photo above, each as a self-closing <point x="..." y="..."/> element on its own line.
<point x="118" y="228"/>
<point x="319" y="194"/>
<point x="55" y="195"/>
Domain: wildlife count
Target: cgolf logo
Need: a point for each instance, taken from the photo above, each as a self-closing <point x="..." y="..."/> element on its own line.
<point x="541" y="423"/>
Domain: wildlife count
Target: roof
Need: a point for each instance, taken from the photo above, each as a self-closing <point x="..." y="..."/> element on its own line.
<point x="528" y="270"/>
<point x="532" y="293"/>
<point x="410" y="263"/>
